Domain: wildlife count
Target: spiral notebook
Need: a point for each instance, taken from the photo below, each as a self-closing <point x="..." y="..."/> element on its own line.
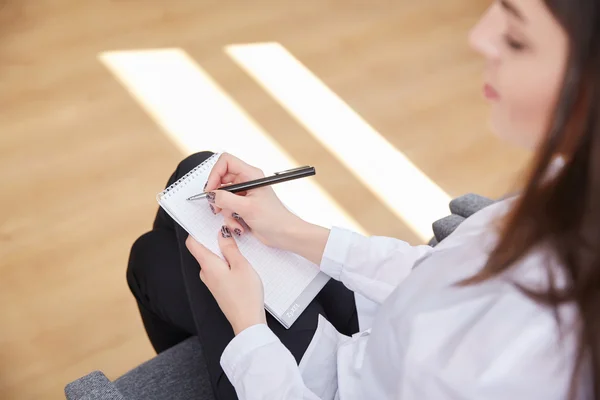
<point x="290" y="282"/>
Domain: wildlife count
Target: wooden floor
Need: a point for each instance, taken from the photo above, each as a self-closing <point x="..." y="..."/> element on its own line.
<point x="81" y="161"/>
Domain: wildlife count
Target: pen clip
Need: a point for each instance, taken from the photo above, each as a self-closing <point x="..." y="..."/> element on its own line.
<point x="292" y="170"/>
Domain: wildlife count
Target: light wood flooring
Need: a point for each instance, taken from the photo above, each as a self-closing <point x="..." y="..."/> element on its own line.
<point x="81" y="161"/>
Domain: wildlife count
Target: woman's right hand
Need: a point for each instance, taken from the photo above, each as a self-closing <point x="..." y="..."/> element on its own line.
<point x="260" y="208"/>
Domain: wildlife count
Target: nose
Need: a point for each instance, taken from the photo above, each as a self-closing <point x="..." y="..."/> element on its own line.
<point x="484" y="37"/>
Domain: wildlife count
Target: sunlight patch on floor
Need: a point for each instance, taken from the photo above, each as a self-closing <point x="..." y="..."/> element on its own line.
<point x="197" y="114"/>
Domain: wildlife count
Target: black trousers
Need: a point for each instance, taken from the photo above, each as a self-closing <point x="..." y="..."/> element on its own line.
<point x="174" y="303"/>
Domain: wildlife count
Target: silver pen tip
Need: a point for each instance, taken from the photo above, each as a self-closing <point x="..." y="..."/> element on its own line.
<point x="197" y="196"/>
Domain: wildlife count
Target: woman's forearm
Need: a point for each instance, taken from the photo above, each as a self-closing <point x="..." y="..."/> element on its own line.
<point x="305" y="239"/>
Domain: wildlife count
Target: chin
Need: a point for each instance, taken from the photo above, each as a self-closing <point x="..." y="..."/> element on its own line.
<point x="500" y="129"/>
<point x="512" y="135"/>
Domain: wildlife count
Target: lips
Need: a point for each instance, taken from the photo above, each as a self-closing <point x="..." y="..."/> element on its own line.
<point x="490" y="93"/>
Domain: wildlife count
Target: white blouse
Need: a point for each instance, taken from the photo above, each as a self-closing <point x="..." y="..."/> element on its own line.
<point x="430" y="339"/>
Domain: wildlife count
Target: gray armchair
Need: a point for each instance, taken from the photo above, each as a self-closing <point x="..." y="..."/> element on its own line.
<point x="180" y="374"/>
<point x="175" y="374"/>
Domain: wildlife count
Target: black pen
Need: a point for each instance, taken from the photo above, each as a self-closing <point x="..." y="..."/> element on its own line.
<point x="278" y="177"/>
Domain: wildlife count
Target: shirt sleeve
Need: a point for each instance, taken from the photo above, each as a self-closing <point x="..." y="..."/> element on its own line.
<point x="371" y="266"/>
<point x="260" y="367"/>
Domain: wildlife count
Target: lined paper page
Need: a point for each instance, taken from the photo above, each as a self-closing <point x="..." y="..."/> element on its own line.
<point x="284" y="275"/>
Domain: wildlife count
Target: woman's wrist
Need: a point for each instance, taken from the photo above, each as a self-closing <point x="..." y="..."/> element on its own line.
<point x="241" y="324"/>
<point x="305" y="239"/>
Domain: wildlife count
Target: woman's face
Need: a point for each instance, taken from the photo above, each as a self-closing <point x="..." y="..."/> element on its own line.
<point x="526" y="51"/>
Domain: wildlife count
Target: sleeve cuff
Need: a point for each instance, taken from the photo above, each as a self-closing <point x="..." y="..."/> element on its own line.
<point x="336" y="250"/>
<point x="244" y="343"/>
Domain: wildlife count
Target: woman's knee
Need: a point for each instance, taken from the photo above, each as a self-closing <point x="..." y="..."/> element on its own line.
<point x="191" y="162"/>
<point x="185" y="166"/>
<point x="136" y="265"/>
<point x="152" y="256"/>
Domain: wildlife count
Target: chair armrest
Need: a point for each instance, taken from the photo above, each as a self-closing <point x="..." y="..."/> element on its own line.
<point x="469" y="204"/>
<point x="461" y="208"/>
<point x="94" y="386"/>
<point x="179" y="373"/>
<point x="442" y="228"/>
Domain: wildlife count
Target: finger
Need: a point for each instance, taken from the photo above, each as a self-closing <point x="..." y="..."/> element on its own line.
<point x="227" y="198"/>
<point x="204" y="256"/>
<point x="223" y="199"/>
<point x="232" y="223"/>
<point x="227" y="179"/>
<point x="210" y="197"/>
<point x="229" y="248"/>
<point x="230" y="178"/>
<point x="228" y="165"/>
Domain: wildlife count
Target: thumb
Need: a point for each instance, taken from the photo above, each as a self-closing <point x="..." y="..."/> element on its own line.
<point x="204" y="256"/>
<point x="230" y="249"/>
<point x="231" y="201"/>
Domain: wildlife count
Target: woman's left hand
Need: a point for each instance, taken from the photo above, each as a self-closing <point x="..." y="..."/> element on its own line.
<point x="233" y="282"/>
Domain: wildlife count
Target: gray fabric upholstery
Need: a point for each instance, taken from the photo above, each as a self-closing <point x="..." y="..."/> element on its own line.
<point x="176" y="374"/>
<point x="461" y="208"/>
<point x="94" y="386"/>
<point x="469" y="204"/>
<point x="442" y="228"/>
<point x="180" y="373"/>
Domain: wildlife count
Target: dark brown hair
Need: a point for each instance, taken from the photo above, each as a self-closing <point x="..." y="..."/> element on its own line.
<point x="564" y="212"/>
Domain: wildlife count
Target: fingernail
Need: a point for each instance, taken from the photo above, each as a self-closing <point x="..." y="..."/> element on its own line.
<point x="236" y="216"/>
<point x="212" y="209"/>
<point x="238" y="231"/>
<point x="210" y="196"/>
<point x="205" y="185"/>
<point x="225" y="232"/>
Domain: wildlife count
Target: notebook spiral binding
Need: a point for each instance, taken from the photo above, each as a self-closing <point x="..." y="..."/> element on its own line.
<point x="184" y="179"/>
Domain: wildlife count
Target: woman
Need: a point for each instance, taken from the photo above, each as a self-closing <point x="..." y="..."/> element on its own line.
<point x="505" y="308"/>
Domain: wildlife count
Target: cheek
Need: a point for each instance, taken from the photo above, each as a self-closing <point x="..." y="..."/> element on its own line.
<point x="523" y="113"/>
